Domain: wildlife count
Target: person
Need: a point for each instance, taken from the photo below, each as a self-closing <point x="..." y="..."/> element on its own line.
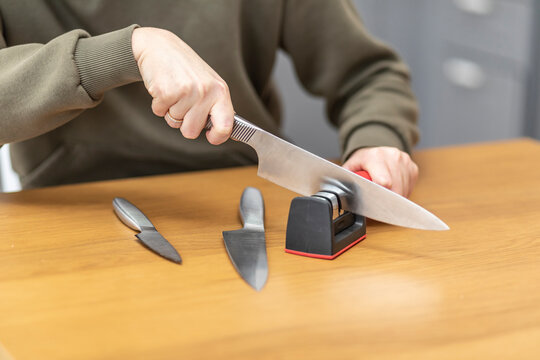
<point x="74" y="109"/>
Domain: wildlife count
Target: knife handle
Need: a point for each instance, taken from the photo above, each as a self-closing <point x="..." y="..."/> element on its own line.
<point x="242" y="130"/>
<point x="131" y="215"/>
<point x="252" y="209"/>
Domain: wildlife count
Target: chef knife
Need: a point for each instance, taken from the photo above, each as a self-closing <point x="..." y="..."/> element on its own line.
<point x="247" y="247"/>
<point x="298" y="170"/>
<point x="130" y="215"/>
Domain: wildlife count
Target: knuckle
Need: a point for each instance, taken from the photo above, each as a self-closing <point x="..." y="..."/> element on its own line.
<point x="203" y="88"/>
<point x="154" y="91"/>
<point x="379" y="152"/>
<point x="414" y="170"/>
<point x="183" y="90"/>
<point x="386" y="182"/>
<point x="162" y="93"/>
<point x="168" y="98"/>
<point x="395" y="154"/>
<point x="406" y="158"/>
<point x="221" y="88"/>
<point x="223" y="125"/>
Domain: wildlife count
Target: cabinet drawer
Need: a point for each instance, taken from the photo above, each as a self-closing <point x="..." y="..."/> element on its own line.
<point x="477" y="99"/>
<point x="499" y="27"/>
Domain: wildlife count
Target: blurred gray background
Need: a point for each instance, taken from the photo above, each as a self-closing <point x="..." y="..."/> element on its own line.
<point x="475" y="66"/>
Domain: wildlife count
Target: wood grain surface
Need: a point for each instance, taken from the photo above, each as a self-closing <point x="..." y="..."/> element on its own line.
<point x="75" y="283"/>
<point x="4" y="355"/>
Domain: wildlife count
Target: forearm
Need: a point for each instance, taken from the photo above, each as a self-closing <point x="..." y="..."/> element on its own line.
<point x="378" y="110"/>
<point x="43" y="86"/>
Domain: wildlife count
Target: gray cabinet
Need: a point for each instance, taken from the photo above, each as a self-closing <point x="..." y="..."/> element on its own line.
<point x="470" y="60"/>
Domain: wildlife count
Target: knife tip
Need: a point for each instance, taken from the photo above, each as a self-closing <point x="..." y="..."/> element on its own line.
<point x="259" y="283"/>
<point x="177" y="260"/>
<point x="442" y="226"/>
<point x="257" y="287"/>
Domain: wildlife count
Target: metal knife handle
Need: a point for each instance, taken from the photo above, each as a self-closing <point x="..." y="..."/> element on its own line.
<point x="252" y="209"/>
<point x="242" y="131"/>
<point x="131" y="215"/>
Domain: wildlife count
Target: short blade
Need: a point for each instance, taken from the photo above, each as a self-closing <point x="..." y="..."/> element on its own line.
<point x="158" y="244"/>
<point x="305" y="173"/>
<point x="247" y="251"/>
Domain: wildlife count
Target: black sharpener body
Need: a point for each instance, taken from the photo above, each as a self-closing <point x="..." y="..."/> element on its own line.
<point x="318" y="228"/>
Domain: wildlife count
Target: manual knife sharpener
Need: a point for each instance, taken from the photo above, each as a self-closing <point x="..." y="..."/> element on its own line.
<point x="317" y="227"/>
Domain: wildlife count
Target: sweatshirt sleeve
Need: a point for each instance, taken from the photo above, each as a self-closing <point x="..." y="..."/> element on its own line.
<point x="43" y="86"/>
<point x="366" y="86"/>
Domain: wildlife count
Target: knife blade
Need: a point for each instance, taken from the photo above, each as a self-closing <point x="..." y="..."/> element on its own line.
<point x="134" y="218"/>
<point x="298" y="170"/>
<point x="247" y="247"/>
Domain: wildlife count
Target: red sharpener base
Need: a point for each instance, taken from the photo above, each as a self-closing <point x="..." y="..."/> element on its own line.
<point x="325" y="257"/>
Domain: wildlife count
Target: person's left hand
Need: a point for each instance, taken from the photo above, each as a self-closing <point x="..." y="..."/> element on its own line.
<point x="387" y="166"/>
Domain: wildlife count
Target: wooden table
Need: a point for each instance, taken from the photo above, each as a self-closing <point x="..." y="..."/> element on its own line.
<point x="74" y="283"/>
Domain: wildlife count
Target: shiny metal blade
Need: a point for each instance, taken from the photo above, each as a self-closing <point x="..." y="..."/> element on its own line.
<point x="158" y="244"/>
<point x="247" y="251"/>
<point x="298" y="170"/>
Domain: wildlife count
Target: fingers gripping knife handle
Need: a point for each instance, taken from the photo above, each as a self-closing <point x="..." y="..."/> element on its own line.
<point x="242" y="130"/>
<point x="131" y="215"/>
<point x="252" y="209"/>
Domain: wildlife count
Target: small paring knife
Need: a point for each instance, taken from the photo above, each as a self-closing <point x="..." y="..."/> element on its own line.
<point x="247" y="247"/>
<point x="130" y="215"/>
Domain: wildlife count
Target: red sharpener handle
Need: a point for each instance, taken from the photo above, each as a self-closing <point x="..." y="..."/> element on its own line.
<point x="364" y="174"/>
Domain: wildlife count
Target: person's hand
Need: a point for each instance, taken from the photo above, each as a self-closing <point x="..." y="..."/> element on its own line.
<point x="387" y="166"/>
<point x="183" y="85"/>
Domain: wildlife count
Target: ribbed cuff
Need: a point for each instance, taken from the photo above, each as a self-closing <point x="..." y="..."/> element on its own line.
<point x="106" y="61"/>
<point x="371" y="135"/>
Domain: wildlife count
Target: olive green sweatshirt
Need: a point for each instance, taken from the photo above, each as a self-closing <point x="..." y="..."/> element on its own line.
<point x="73" y="107"/>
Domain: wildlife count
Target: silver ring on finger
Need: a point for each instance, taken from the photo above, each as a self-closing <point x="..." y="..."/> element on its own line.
<point x="168" y="117"/>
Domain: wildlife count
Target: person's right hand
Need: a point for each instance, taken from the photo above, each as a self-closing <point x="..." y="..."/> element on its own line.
<point x="181" y="83"/>
<point x="387" y="166"/>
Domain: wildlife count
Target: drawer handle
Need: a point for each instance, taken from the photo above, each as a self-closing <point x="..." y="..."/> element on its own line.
<point x="464" y="73"/>
<point x="475" y="7"/>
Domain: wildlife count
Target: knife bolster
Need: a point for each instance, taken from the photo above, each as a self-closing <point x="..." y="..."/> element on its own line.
<point x="312" y="231"/>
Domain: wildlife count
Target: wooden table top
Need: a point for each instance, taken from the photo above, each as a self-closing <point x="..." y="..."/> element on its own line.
<point x="75" y="283"/>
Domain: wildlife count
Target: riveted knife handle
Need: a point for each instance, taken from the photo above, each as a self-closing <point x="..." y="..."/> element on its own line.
<point x="242" y="130"/>
<point x="252" y="209"/>
<point x="131" y="215"/>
